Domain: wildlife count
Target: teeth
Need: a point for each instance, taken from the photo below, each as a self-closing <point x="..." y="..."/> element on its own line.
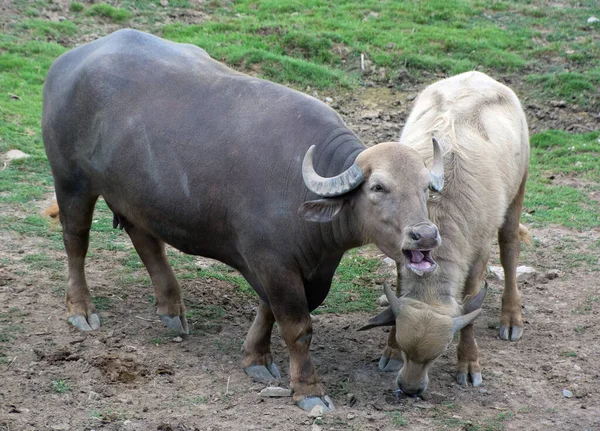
<point x="417" y="271"/>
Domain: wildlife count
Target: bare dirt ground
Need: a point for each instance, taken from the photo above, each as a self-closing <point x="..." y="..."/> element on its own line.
<point x="133" y="374"/>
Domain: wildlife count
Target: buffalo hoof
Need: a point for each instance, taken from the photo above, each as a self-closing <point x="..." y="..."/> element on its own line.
<point x="513" y="333"/>
<point x="176" y="324"/>
<point x="262" y="373"/>
<point x="91" y="323"/>
<point x="389" y="365"/>
<point x="310" y="403"/>
<point x="462" y="379"/>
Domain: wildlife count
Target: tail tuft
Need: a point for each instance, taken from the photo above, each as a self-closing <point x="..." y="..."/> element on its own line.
<point x="52" y="211"/>
<point x="524" y="235"/>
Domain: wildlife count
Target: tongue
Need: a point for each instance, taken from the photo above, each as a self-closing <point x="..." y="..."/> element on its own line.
<point x="423" y="265"/>
<point x="416" y="256"/>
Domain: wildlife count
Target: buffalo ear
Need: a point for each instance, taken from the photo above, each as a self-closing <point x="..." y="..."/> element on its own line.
<point x="385" y="318"/>
<point x="476" y="302"/>
<point x="321" y="210"/>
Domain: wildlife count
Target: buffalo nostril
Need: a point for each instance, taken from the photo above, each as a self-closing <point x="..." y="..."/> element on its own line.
<point x="415" y="235"/>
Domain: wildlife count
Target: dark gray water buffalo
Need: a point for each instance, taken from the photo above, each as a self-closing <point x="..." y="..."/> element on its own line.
<point x="188" y="152"/>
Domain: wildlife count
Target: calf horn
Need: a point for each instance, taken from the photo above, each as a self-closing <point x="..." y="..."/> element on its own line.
<point x="394" y="301"/>
<point x="329" y="187"/>
<point x="436" y="182"/>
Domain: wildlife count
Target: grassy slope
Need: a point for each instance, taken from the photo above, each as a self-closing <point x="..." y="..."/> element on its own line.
<point x="318" y="43"/>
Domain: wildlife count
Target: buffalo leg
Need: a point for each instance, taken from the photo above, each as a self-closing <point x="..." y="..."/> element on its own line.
<point x="258" y="360"/>
<point x="169" y="305"/>
<point x="467" y="351"/>
<point x="289" y="305"/>
<point x="511" y="321"/>
<point x="76" y="211"/>
<point x="391" y="359"/>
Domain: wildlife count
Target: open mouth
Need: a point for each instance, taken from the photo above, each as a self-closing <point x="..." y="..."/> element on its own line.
<point x="419" y="261"/>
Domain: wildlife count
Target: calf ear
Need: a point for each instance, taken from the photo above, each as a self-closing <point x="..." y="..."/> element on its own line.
<point x="322" y="210"/>
<point x="476" y="302"/>
<point x="385" y="318"/>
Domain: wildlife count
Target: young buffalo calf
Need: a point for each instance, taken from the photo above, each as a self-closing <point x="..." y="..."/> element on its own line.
<point x="482" y="130"/>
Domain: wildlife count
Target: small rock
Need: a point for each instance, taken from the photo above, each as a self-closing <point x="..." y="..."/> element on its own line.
<point x="316" y="411"/>
<point x="177" y="340"/>
<point x="62" y="18"/>
<point x="314" y="318"/>
<point x="423" y="405"/>
<point x="275" y="391"/>
<point x="525" y="273"/>
<point x="592" y="20"/>
<point x="15" y="155"/>
<point x="61" y="427"/>
<point x="370" y="115"/>
<point x="382" y="301"/>
<point x="351" y="398"/>
<point x="328" y="99"/>
<point x="164" y="3"/>
<point x="350" y="416"/>
<point x="498" y="271"/>
<point x="390" y="262"/>
<point x="483" y="390"/>
<point x="566" y="393"/>
<point x="577" y="367"/>
<point x="315" y="427"/>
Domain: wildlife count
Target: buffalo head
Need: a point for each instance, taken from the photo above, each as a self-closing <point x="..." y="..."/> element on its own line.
<point x="423" y="334"/>
<point x="385" y="191"/>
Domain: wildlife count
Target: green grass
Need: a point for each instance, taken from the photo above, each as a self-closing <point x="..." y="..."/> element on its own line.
<point x="573" y="87"/>
<point x="102" y="302"/>
<point x="397" y="419"/>
<point x="562" y="154"/>
<point x="108" y="11"/>
<point x="60" y="386"/>
<point x="76" y="7"/>
<point x="353" y="287"/>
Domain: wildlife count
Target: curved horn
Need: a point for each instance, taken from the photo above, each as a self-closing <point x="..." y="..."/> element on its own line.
<point x="437" y="171"/>
<point x="329" y="187"/>
<point x="392" y="299"/>
<point x="461" y="321"/>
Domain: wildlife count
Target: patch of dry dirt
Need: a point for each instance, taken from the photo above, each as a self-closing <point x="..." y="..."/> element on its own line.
<point x="133" y="375"/>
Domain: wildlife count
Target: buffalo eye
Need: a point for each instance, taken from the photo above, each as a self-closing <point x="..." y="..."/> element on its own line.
<point x="376" y="188"/>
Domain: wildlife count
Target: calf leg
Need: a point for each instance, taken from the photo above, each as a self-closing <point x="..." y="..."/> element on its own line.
<point x="76" y="211"/>
<point x="258" y="360"/>
<point x="169" y="305"/>
<point x="467" y="352"/>
<point x="391" y="359"/>
<point x="511" y="322"/>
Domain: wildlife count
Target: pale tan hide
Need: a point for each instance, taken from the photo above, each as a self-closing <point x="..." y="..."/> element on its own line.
<point x="483" y="133"/>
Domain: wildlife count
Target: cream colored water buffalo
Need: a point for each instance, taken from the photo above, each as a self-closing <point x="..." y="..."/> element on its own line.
<point x="483" y="133"/>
